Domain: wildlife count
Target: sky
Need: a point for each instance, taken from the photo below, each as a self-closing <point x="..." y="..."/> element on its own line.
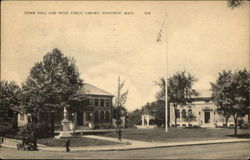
<point x="202" y="38"/>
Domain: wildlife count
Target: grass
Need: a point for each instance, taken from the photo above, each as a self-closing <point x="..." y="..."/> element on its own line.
<point x="74" y="142"/>
<point x="180" y="134"/>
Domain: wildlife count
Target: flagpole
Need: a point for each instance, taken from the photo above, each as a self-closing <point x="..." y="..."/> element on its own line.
<point x="166" y="81"/>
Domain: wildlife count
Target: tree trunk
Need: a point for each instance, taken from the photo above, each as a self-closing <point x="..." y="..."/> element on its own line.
<point x="235" y="125"/>
<point x="168" y="114"/>
<point x="15" y="122"/>
<point x="175" y="117"/>
<point x="227" y="121"/>
<point x="52" y="123"/>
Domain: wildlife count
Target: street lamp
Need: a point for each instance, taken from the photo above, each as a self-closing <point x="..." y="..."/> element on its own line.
<point x="74" y="123"/>
<point x="91" y="121"/>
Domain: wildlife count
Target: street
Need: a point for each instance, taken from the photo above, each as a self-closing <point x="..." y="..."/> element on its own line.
<point x="218" y="151"/>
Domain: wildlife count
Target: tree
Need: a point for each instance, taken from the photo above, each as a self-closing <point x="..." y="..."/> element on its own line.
<point x="225" y="114"/>
<point x="120" y="100"/>
<point x="179" y="89"/>
<point x="134" y="118"/>
<point x="9" y="102"/>
<point x="52" y="84"/>
<point x="231" y="93"/>
<point x="235" y="3"/>
<point x="157" y="110"/>
<point x="190" y="117"/>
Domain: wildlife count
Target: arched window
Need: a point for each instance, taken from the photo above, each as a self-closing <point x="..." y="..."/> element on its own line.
<point x="177" y="113"/>
<point x="184" y="114"/>
<point x="96" y="116"/>
<point x="107" y="115"/>
<point x="102" y="115"/>
<point x="190" y="111"/>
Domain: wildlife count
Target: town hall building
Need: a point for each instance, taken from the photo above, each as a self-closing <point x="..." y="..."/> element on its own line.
<point x="96" y="111"/>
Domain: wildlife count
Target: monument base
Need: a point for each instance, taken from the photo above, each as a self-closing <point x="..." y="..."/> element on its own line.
<point x="64" y="134"/>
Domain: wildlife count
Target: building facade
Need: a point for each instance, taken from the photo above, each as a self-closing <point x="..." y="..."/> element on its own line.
<point x="96" y="111"/>
<point x="203" y="114"/>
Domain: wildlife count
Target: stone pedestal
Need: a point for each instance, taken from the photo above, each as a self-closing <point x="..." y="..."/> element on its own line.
<point x="66" y="126"/>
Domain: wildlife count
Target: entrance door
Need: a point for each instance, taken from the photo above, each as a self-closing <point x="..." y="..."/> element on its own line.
<point x="79" y="119"/>
<point x="207" y="117"/>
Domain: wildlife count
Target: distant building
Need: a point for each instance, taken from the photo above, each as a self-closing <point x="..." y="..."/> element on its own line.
<point x="204" y="111"/>
<point x="98" y="107"/>
<point x="96" y="110"/>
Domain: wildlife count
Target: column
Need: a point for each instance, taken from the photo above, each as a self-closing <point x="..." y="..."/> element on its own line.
<point x="172" y="115"/>
<point x="84" y="118"/>
<point x="147" y="120"/>
<point x="142" y="120"/>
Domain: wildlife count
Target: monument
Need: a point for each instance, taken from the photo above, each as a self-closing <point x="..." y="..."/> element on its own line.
<point x="66" y="125"/>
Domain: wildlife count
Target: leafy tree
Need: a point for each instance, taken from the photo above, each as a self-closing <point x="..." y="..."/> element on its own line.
<point x="231" y="93"/>
<point x="190" y="117"/>
<point x="225" y="114"/>
<point x="179" y="89"/>
<point x="235" y="3"/>
<point x="52" y="84"/>
<point x="157" y="110"/>
<point x="9" y="102"/>
<point x="134" y="118"/>
<point x="120" y="100"/>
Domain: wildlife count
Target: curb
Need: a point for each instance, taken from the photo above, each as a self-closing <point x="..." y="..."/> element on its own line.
<point x="159" y="145"/>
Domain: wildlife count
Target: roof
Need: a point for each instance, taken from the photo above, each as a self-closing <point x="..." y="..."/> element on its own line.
<point x="204" y="92"/>
<point x="92" y="90"/>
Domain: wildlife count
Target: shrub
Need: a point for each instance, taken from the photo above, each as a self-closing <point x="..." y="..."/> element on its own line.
<point x="38" y="130"/>
<point x="242" y="124"/>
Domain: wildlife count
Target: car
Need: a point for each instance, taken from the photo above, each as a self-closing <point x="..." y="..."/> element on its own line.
<point x="27" y="144"/>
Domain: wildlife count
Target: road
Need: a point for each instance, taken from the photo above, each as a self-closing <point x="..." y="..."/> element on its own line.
<point x="218" y="151"/>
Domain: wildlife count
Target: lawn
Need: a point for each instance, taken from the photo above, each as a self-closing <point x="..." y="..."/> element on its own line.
<point x="179" y="134"/>
<point x="75" y="142"/>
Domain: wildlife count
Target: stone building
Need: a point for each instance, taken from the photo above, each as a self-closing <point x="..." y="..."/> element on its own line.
<point x="203" y="111"/>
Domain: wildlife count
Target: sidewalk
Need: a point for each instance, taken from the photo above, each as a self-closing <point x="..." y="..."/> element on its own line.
<point x="131" y="144"/>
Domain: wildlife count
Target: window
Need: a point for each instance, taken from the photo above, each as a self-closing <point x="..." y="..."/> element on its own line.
<point x="107" y="115"/>
<point x="190" y="111"/>
<point x="96" y="116"/>
<point x="88" y="116"/>
<point x="102" y="115"/>
<point x="21" y="116"/>
<point x="102" y="102"/>
<point x="29" y="119"/>
<point x="96" y="102"/>
<point x="184" y="114"/>
<point x="107" y="103"/>
<point x="177" y="113"/>
<point x="91" y="101"/>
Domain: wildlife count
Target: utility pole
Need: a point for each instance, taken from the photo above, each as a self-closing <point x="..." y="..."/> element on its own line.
<point x="166" y="76"/>
<point x="166" y="80"/>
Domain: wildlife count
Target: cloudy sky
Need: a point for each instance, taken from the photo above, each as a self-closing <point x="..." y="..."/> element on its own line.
<point x="201" y="37"/>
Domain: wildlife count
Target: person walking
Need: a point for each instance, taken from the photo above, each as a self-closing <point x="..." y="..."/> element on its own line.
<point x="67" y="144"/>
<point x="2" y="140"/>
<point x="120" y="134"/>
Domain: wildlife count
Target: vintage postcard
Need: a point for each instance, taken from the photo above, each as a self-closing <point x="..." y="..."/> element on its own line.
<point x="87" y="79"/>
